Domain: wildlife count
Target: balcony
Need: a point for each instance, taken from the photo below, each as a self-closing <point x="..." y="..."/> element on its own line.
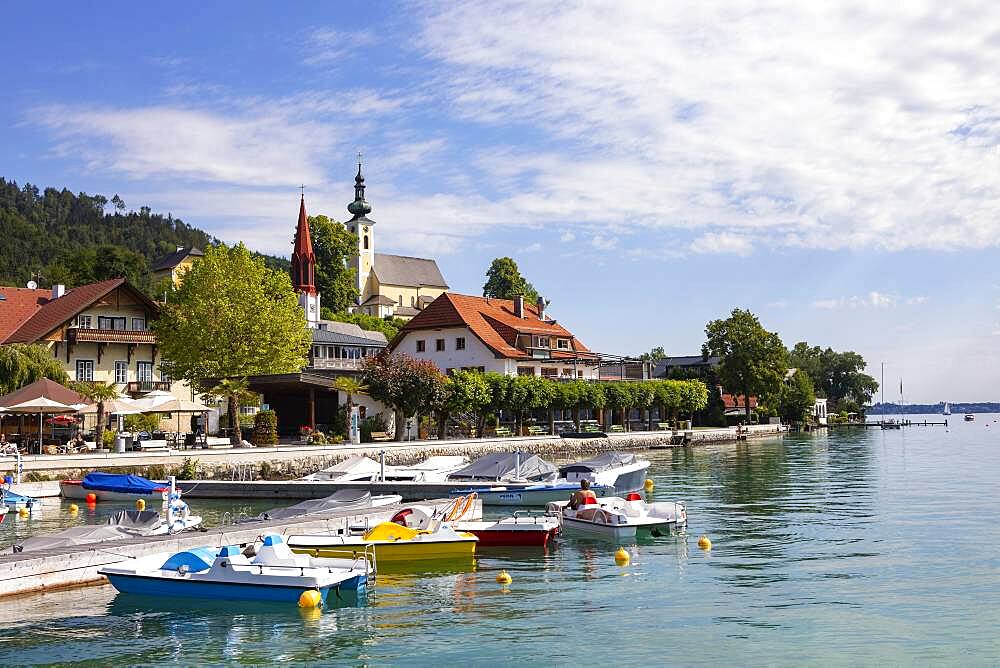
<point x="83" y="335"/>
<point x="336" y="364"/>
<point x="144" y="386"/>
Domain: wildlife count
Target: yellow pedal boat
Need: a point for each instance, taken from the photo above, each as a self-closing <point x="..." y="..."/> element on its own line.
<point x="392" y="542"/>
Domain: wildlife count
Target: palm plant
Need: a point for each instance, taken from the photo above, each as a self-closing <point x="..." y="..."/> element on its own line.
<point x="235" y="391"/>
<point x="97" y="392"/>
<point x="350" y="387"/>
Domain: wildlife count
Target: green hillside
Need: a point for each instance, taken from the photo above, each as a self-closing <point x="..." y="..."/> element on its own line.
<point x="57" y="236"/>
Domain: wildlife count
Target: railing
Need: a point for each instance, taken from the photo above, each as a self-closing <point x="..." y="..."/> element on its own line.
<point x="140" y="386"/>
<point x="337" y="364"/>
<point x="83" y="334"/>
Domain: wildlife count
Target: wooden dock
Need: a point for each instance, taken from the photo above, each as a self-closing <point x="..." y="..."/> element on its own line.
<point x="896" y="424"/>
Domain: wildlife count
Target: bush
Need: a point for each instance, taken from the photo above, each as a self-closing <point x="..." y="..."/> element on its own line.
<point x="265" y="428"/>
<point x="148" y="422"/>
<point x="108" y="441"/>
<point x="156" y="472"/>
<point x="318" y="438"/>
<point x="372" y="423"/>
<point x="189" y="469"/>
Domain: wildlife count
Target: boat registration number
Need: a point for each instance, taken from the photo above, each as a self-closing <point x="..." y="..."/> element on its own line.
<point x="510" y="496"/>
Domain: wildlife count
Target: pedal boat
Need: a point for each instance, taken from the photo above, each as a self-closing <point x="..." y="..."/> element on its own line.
<point x="274" y="574"/>
<point x="617" y="517"/>
<point x="391" y="542"/>
<point x="519" y="530"/>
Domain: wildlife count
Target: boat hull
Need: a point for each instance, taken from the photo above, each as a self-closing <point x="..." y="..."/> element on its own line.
<point x="493" y="534"/>
<point x="606" y="530"/>
<point x="74" y="489"/>
<point x="150" y="585"/>
<point x="397" y="551"/>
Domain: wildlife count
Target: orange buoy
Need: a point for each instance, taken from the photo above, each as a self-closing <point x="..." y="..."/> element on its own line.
<point x="91" y="498"/>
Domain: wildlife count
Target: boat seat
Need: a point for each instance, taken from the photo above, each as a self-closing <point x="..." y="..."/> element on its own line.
<point x="275" y="552"/>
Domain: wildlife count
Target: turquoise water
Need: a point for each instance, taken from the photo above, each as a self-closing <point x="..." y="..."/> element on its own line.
<point x="857" y="547"/>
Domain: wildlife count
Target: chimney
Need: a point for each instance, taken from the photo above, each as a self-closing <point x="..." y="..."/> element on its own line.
<point x="519" y="306"/>
<point x="541" y="307"/>
<point x="58" y="290"/>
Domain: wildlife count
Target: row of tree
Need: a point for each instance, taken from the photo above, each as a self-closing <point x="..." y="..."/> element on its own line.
<point x="417" y="387"/>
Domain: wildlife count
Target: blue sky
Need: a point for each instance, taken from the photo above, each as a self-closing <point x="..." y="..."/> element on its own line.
<point x="649" y="166"/>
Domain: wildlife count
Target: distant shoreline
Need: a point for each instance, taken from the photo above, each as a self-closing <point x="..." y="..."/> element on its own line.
<point x="934" y="409"/>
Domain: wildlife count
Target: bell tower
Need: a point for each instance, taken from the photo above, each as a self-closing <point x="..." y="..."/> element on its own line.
<point x="304" y="268"/>
<point x="364" y="228"/>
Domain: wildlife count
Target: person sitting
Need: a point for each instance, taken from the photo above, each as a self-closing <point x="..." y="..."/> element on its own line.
<point x="582" y="494"/>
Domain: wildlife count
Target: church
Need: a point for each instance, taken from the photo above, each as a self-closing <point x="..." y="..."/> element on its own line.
<point x="388" y="285"/>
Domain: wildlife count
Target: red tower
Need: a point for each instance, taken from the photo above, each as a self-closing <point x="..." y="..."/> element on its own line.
<point x="303" y="258"/>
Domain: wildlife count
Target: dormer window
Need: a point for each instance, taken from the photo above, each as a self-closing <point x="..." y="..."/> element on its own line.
<point x="542" y="342"/>
<point x="562" y="344"/>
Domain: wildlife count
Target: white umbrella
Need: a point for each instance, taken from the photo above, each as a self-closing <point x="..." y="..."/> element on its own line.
<point x="153" y="399"/>
<point x="114" y="407"/>
<point x="179" y="406"/>
<point x="41" y="405"/>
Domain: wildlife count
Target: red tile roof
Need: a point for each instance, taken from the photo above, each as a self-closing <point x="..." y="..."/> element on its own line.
<point x="55" y="312"/>
<point x="17" y="305"/>
<point x="493" y="322"/>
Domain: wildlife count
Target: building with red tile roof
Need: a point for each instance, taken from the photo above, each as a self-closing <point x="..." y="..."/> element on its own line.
<point x="508" y="336"/>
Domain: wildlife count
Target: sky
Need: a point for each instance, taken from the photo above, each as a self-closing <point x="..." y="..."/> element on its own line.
<point x="834" y="167"/>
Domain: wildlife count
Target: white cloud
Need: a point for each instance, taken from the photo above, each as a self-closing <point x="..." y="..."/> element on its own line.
<point x="532" y="248"/>
<point x="828" y="125"/>
<point x="916" y="301"/>
<point x="780" y="303"/>
<point x="603" y="243"/>
<point x="327" y="45"/>
<point x="568" y="236"/>
<point x="874" y="299"/>
<point x="722" y="242"/>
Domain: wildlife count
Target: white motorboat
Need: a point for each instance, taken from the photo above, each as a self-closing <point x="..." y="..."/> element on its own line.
<point x="623" y="471"/>
<point x="537" y="496"/>
<point x="274" y="574"/>
<point x="617" y="517"/>
<point x="362" y="469"/>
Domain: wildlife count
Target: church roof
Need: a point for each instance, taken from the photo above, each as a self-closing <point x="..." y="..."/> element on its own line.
<point x="408" y="271"/>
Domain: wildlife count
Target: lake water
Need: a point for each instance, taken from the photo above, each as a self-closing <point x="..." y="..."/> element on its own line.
<point x="853" y="547"/>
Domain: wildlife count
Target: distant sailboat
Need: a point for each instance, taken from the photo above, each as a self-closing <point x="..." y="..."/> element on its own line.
<point x="947" y="408"/>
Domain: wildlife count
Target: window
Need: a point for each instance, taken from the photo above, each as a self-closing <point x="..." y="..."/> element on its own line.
<point x="525" y="371"/>
<point x="543" y="342"/>
<point x="413" y="300"/>
<point x="460" y="343"/>
<point x="138" y="324"/>
<point x="106" y="322"/>
<point x="85" y="370"/>
<point x="144" y="371"/>
<point x="439" y="345"/>
<point x="400" y="300"/>
<point x="579" y="374"/>
<point x="421" y="346"/>
<point x="319" y="352"/>
<point x="121" y="373"/>
<point x="562" y="344"/>
<point x="83" y="321"/>
<point x="549" y="372"/>
<point x="248" y="410"/>
<point x="366" y="242"/>
<point x="165" y="377"/>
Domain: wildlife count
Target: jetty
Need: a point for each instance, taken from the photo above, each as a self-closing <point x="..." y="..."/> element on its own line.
<point x="77" y="565"/>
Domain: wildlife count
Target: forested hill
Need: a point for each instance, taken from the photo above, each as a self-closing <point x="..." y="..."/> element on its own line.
<point x="79" y="238"/>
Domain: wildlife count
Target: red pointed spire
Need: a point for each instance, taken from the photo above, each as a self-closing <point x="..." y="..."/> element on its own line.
<point x="303" y="258"/>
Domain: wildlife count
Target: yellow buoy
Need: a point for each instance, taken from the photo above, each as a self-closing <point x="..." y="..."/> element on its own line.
<point x="73" y="508"/>
<point x="504" y="578"/>
<point x="648" y="485"/>
<point x="23" y="512"/>
<point x="310" y="598"/>
<point x="622" y="557"/>
<point x="140" y="504"/>
<point x="704" y="543"/>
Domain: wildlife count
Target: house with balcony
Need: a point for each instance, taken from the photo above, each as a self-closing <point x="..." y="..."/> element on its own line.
<point x="485" y="334"/>
<point x="173" y="265"/>
<point x="98" y="332"/>
<point x="343" y="346"/>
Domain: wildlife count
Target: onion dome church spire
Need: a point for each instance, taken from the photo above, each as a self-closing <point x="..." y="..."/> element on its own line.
<point x="359" y="207"/>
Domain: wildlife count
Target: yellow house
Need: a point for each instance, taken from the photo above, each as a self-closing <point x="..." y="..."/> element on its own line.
<point x="174" y="265"/>
<point x="98" y="332"/>
<point x="388" y="285"/>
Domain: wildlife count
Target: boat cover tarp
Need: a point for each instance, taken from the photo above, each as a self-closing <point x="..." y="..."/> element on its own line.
<point x="123" y="483"/>
<point x="355" y="464"/>
<point x="345" y="499"/>
<point x="136" y="520"/>
<point x="503" y="465"/>
<point x="82" y="535"/>
<point x="602" y="462"/>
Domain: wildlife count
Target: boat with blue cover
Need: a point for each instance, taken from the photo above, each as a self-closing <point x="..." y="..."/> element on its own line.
<point x="274" y="573"/>
<point x="114" y="487"/>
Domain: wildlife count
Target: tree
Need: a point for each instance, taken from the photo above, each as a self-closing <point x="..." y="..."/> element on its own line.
<point x="667" y="395"/>
<point x="350" y="387"/>
<point x="693" y="397"/>
<point x="334" y="247"/>
<point x="97" y="392"/>
<point x="112" y="261"/>
<point x="527" y="393"/>
<point x="654" y="355"/>
<point x="232" y="317"/>
<point x="464" y="392"/>
<point x="752" y="360"/>
<point x="797" y="397"/>
<point x="235" y="391"/>
<point x="620" y="397"/>
<point x="837" y="376"/>
<point x="22" y="364"/>
<point x="504" y="281"/>
<point x="409" y="386"/>
<point x="500" y="386"/>
<point x="388" y="326"/>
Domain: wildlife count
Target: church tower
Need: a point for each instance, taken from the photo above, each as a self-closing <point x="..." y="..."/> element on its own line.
<point x="364" y="228"/>
<point x="304" y="268"/>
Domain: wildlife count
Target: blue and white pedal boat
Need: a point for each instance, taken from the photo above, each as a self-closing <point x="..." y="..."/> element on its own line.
<point x="273" y="574"/>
